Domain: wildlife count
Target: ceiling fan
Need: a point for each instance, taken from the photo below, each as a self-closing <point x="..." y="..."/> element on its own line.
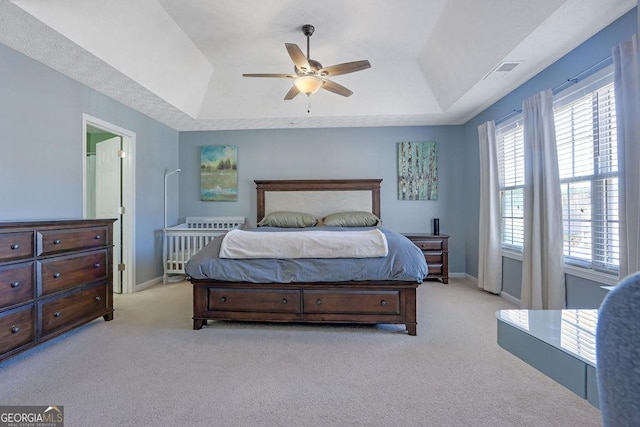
<point x="310" y="76"/>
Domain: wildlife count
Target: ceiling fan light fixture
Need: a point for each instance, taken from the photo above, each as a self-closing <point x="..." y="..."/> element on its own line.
<point x="308" y="84"/>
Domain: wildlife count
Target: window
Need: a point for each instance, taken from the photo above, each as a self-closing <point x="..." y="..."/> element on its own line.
<point x="511" y="163"/>
<point x="585" y="121"/>
<point x="588" y="164"/>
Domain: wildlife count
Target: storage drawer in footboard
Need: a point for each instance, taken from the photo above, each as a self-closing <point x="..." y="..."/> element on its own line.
<point x="250" y="300"/>
<point x="352" y="302"/>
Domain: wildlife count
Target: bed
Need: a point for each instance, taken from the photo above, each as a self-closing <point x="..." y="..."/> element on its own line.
<point x="348" y="299"/>
<point x="182" y="241"/>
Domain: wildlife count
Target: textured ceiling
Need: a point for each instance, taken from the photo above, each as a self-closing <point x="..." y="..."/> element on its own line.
<point x="181" y="62"/>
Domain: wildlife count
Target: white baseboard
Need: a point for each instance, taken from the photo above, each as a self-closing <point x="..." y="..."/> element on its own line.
<point x="149" y="283"/>
<point x="513" y="300"/>
<point x="466" y="276"/>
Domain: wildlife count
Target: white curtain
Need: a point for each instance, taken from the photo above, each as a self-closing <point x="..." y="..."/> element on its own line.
<point x="489" y="250"/>
<point x="542" y="264"/>
<point x="627" y="83"/>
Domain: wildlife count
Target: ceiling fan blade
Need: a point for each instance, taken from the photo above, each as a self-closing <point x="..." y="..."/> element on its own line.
<point x="292" y="93"/>
<point x="336" y="88"/>
<point x="290" y="76"/>
<point x="298" y="57"/>
<point x="347" y="67"/>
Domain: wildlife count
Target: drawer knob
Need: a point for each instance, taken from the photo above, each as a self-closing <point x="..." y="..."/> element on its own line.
<point x="15" y="330"/>
<point x="318" y="302"/>
<point x="57" y="242"/>
<point x="57" y="275"/>
<point x="15" y="284"/>
<point x="284" y="300"/>
<point x="223" y="299"/>
<point x="96" y="265"/>
<point x="383" y="303"/>
<point x="98" y="237"/>
<point x="98" y="298"/>
<point x="15" y="246"/>
<point x="57" y="314"/>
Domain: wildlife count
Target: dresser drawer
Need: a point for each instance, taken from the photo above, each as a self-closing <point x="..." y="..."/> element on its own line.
<point x="17" y="328"/>
<point x="65" y="272"/>
<point x="75" y="307"/>
<point x="272" y="301"/>
<point x="16" y="284"/>
<point x="53" y="241"/>
<point x="362" y="302"/>
<point x="16" y="246"/>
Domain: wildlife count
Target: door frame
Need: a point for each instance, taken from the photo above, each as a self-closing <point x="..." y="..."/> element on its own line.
<point x="128" y="193"/>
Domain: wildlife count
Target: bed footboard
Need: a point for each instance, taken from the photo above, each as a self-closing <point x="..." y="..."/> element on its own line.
<point x="349" y="302"/>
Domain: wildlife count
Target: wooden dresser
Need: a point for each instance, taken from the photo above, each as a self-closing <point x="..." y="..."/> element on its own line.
<point x="54" y="276"/>
<point x="436" y="251"/>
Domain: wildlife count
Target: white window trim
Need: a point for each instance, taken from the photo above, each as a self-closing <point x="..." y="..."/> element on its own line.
<point x="583" y="273"/>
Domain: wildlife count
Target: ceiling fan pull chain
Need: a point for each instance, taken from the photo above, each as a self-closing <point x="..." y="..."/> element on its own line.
<point x="309" y="106"/>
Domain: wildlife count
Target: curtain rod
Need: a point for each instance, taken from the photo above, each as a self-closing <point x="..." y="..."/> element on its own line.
<point x="601" y="64"/>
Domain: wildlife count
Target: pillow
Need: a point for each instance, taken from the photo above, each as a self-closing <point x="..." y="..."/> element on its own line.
<point x="287" y="219"/>
<point x="351" y="219"/>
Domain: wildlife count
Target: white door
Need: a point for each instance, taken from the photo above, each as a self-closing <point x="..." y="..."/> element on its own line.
<point x="108" y="196"/>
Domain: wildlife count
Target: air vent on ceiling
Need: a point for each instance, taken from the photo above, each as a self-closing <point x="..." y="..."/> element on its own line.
<point x="501" y="68"/>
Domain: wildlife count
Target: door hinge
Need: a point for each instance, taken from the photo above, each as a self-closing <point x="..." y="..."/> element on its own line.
<point x="122" y="154"/>
<point x="121" y="267"/>
<point x="121" y="210"/>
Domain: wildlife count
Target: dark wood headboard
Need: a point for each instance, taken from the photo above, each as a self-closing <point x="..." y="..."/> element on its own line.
<point x="318" y="185"/>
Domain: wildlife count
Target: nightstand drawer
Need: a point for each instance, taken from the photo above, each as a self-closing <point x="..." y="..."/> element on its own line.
<point x="433" y="258"/>
<point x="435" y="270"/>
<point x="429" y="245"/>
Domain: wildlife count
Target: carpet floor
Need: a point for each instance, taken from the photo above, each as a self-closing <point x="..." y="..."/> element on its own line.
<point x="148" y="367"/>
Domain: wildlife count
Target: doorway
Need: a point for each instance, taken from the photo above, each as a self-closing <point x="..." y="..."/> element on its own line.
<point x="109" y="191"/>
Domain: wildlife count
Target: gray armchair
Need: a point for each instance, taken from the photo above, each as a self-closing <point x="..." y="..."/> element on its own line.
<point x="618" y="354"/>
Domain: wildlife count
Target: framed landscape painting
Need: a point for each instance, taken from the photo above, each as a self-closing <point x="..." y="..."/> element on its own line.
<point x="417" y="171"/>
<point x="219" y="173"/>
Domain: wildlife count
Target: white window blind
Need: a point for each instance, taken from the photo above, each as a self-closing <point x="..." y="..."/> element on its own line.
<point x="588" y="164"/>
<point x="586" y="137"/>
<point x="510" y="140"/>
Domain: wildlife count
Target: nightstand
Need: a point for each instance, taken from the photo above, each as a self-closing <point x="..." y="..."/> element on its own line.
<point x="436" y="252"/>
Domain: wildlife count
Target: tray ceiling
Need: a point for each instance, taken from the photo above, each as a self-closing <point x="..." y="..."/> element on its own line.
<point x="181" y="63"/>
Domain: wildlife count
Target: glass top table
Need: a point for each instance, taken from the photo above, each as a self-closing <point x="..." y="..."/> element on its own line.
<point x="559" y="343"/>
<point x="572" y="331"/>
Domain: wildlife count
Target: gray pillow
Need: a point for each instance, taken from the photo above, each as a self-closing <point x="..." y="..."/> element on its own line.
<point x="351" y="219"/>
<point x="287" y="219"/>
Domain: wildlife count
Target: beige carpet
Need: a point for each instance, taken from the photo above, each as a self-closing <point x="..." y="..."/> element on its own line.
<point x="149" y="368"/>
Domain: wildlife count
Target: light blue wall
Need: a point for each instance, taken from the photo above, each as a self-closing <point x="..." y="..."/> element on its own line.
<point x="335" y="153"/>
<point x="580" y="292"/>
<point x="41" y="151"/>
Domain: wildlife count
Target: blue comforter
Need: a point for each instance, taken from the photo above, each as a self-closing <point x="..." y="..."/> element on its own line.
<point x="405" y="262"/>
